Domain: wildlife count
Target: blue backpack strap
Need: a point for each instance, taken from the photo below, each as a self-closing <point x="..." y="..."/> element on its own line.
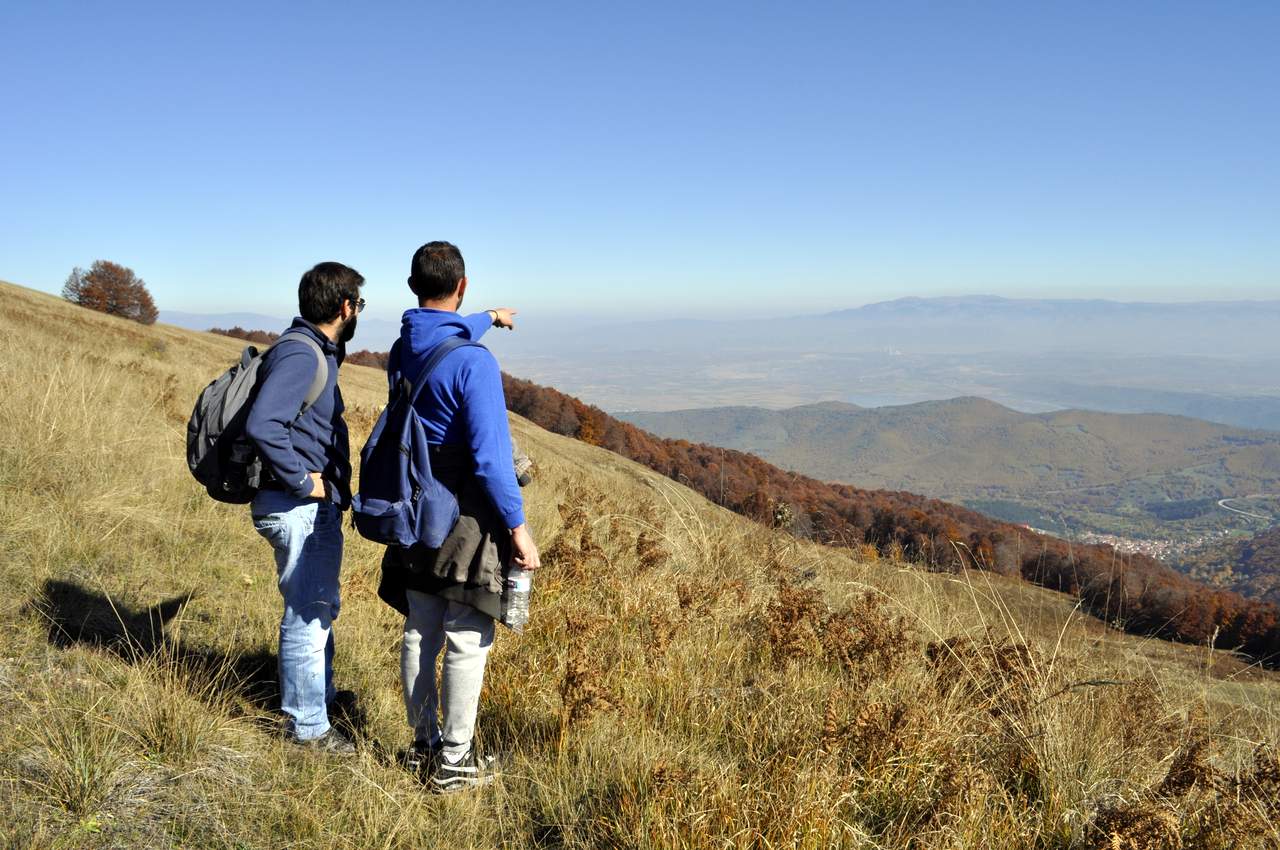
<point x="394" y="368"/>
<point x="437" y="354"/>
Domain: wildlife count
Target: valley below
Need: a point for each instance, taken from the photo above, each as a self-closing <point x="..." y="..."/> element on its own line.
<point x="1185" y="491"/>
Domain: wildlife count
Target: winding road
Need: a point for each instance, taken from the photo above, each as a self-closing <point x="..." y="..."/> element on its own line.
<point x="1222" y="503"/>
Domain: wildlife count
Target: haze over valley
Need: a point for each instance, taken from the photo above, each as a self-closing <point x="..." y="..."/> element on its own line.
<point x="1217" y="361"/>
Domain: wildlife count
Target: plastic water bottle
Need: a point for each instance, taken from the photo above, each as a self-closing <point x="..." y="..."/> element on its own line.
<point x="516" y="591"/>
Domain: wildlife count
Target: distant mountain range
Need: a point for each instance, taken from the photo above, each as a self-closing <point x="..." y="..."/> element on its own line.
<point x="1054" y="309"/>
<point x="1213" y="360"/>
<point x="205" y="321"/>
<point x="970" y="447"/>
<point x="374" y="334"/>
<point x="983" y="323"/>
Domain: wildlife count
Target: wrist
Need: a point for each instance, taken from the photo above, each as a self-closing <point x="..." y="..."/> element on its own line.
<point x="303" y="489"/>
<point x="494" y="315"/>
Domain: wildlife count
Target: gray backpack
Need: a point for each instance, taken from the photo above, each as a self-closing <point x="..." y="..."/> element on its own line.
<point x="219" y="454"/>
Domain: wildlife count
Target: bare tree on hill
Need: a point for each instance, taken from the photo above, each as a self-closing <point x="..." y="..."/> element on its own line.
<point x="111" y="288"/>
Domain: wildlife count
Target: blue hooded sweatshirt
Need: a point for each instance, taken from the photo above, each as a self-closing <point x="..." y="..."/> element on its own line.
<point x="462" y="403"/>
<point x="294" y="446"/>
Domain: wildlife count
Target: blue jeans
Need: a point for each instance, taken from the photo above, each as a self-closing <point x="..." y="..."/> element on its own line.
<point x="306" y="535"/>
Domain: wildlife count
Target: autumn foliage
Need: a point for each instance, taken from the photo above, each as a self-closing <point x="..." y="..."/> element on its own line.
<point x="111" y="288"/>
<point x="375" y="359"/>
<point x="1134" y="592"/>
<point x="260" y="337"/>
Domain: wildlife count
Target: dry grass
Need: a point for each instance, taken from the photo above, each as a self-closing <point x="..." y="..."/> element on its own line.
<point x="688" y="680"/>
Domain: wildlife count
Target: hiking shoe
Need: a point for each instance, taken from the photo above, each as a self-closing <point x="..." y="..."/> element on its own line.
<point x="332" y="742"/>
<point x="470" y="771"/>
<point x="420" y="758"/>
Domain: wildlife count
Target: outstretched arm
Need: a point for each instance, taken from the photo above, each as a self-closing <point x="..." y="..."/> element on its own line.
<point x="484" y="413"/>
<point x="478" y="324"/>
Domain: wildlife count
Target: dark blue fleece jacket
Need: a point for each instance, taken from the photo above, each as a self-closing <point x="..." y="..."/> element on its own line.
<point x="462" y="403"/>
<point x="294" y="446"/>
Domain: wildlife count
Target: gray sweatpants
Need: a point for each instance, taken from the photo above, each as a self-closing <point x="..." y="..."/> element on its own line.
<point x="466" y="636"/>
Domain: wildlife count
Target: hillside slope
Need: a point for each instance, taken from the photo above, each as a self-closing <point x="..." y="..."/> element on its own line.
<point x="689" y="679"/>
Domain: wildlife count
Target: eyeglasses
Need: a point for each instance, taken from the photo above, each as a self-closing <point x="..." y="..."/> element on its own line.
<point x="359" y="304"/>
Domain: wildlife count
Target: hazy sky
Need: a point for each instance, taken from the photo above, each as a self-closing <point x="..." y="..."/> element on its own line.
<point x="647" y="158"/>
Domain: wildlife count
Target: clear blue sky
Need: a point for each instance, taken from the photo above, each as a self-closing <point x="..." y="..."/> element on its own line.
<point x="660" y="159"/>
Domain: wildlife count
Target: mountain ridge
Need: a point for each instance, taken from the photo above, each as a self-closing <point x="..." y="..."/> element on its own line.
<point x="916" y="304"/>
<point x="848" y="441"/>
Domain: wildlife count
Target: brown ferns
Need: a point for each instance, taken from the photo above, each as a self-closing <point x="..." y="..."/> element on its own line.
<point x="794" y="622"/>
<point x="1218" y="811"/>
<point x="1189" y="768"/>
<point x="662" y="628"/>
<point x="877" y="730"/>
<point x="862" y="640"/>
<point x="1000" y="672"/>
<point x="649" y="551"/>
<point x="582" y="691"/>
<point x="1137" y="827"/>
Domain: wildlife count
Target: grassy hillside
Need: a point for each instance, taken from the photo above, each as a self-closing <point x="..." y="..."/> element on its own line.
<point x="690" y="680"/>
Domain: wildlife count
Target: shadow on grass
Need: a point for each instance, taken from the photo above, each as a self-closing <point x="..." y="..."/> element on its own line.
<point x="77" y="615"/>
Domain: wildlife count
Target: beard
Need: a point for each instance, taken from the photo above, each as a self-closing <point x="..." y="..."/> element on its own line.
<point x="348" y="330"/>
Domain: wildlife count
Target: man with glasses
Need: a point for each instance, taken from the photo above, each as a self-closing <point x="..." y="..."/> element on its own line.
<point x="306" y="463"/>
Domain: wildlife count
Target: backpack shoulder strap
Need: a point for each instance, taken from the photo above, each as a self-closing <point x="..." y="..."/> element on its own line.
<point x="396" y="381"/>
<point x="433" y="360"/>
<point x="322" y="366"/>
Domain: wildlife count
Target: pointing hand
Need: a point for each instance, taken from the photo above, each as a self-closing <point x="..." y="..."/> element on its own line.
<point x="504" y="317"/>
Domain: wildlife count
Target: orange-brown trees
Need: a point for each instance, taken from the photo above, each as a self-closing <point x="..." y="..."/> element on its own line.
<point x="111" y="288"/>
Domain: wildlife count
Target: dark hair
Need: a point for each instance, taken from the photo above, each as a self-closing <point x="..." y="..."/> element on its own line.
<point x="436" y="269"/>
<point x="324" y="287"/>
